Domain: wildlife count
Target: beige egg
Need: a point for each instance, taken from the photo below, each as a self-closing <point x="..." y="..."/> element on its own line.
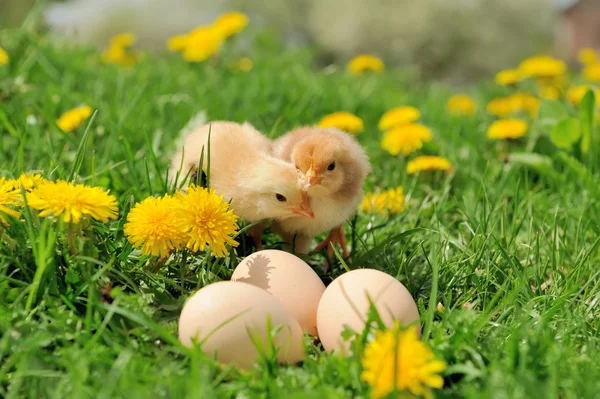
<point x="225" y="312"/>
<point x="289" y="279"/>
<point x="345" y="302"/>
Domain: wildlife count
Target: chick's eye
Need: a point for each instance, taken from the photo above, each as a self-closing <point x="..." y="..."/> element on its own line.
<point x="280" y="197"/>
<point x="331" y="166"/>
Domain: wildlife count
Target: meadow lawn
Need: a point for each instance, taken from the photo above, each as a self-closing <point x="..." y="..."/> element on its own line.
<point x="501" y="254"/>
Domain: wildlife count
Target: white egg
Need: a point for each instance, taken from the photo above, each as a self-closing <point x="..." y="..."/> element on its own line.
<point x="224" y="314"/>
<point x="289" y="279"/>
<point x="345" y="302"/>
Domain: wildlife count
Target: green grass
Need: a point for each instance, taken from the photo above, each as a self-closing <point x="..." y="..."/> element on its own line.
<point x="520" y="243"/>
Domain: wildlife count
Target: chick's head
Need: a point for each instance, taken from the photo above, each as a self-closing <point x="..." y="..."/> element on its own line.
<point x="327" y="160"/>
<point x="280" y="196"/>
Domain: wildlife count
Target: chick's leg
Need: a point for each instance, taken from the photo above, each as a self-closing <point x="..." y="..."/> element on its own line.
<point x="329" y="242"/>
<point x="332" y="237"/>
<point x="335" y="236"/>
<point x="344" y="243"/>
<point x="256" y="232"/>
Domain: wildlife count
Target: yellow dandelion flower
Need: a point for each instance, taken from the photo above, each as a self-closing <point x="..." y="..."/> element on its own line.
<point x="588" y="56"/>
<point x="72" y="119"/>
<point x="552" y="87"/>
<point x="385" y="203"/>
<point x="461" y="104"/>
<point x="397" y="360"/>
<point x="122" y="40"/>
<point x="549" y="92"/>
<point x="507" y="129"/>
<point x="526" y="102"/>
<point x="575" y="93"/>
<point x="427" y="162"/>
<point x="207" y="220"/>
<point x="365" y="62"/>
<point x="28" y="181"/>
<point x="401" y="115"/>
<point x="502" y="106"/>
<point x="202" y="43"/>
<point x="131" y="58"/>
<point x="405" y="139"/>
<point x="119" y="55"/>
<point x="118" y="52"/>
<point x="231" y="23"/>
<point x="345" y="121"/>
<point x="543" y="66"/>
<point x="177" y="43"/>
<point x="9" y="198"/>
<point x="508" y="77"/>
<point x="592" y="72"/>
<point x="72" y="202"/>
<point x="152" y="224"/>
<point x="243" y="65"/>
<point x="113" y="55"/>
<point x="4" y="58"/>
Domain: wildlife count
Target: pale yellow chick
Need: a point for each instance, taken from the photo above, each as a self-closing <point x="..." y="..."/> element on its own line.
<point x="332" y="166"/>
<point x="259" y="185"/>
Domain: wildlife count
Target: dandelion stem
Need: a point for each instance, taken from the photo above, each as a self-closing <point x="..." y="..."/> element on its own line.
<point x="182" y="264"/>
<point x="161" y="262"/>
<point x="71" y="244"/>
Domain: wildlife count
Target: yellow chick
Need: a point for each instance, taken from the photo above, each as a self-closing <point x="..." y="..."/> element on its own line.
<point x="332" y="166"/>
<point x="259" y="185"/>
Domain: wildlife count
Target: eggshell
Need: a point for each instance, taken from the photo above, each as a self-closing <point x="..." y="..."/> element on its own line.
<point x="345" y="302"/>
<point x="289" y="279"/>
<point x="222" y="312"/>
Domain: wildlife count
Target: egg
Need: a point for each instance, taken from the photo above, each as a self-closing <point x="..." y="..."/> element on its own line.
<point x="224" y="313"/>
<point x="345" y="302"/>
<point x="289" y="279"/>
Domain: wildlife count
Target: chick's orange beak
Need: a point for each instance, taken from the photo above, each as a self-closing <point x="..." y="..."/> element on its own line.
<point x="305" y="209"/>
<point x="312" y="178"/>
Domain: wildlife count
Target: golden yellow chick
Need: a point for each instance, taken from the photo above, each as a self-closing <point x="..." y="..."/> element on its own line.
<point x="259" y="185"/>
<point x="332" y="167"/>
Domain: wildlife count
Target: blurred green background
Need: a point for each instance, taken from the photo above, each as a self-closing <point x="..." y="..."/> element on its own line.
<point x="456" y="40"/>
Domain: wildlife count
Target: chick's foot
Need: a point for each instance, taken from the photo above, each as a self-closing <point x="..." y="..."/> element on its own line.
<point x="335" y="236"/>
<point x="344" y="243"/>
